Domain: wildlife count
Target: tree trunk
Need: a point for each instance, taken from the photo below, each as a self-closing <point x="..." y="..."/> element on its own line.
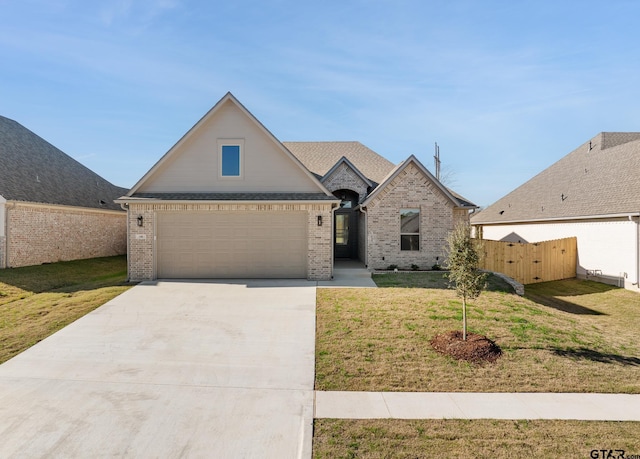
<point x="464" y="318"/>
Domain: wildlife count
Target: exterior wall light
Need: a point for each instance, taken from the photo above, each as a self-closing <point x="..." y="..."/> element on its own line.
<point x="319" y="220"/>
<point x="140" y="220"/>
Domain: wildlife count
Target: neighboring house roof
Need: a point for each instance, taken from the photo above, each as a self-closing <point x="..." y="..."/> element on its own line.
<point x="456" y="200"/>
<point x="598" y="178"/>
<point x="33" y="170"/>
<point x="320" y="157"/>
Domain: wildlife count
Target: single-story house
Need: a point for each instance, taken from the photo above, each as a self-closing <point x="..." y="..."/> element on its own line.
<point x="230" y="200"/>
<point x="53" y="208"/>
<point x="592" y="194"/>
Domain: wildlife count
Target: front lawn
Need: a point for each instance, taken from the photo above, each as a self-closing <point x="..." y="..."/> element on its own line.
<point x="563" y="336"/>
<point x="37" y="301"/>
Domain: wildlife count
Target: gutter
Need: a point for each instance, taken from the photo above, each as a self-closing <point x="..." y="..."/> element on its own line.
<point x="227" y="201"/>
<point x="559" y="219"/>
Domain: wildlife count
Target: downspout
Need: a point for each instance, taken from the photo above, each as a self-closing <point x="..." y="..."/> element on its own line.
<point x="638" y="251"/>
<point x="333" y="233"/>
<point x="366" y="237"/>
<point x="3" y="233"/>
<point x="125" y="207"/>
<point x="7" y="228"/>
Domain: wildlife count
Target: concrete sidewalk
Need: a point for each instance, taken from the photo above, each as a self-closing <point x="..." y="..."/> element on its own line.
<point x="465" y="405"/>
<point x="350" y="273"/>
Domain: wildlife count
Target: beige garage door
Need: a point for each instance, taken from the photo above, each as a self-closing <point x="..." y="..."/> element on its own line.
<point x="231" y="245"/>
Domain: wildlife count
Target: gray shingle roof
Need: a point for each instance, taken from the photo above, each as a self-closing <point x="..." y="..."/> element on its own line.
<point x="320" y="157"/>
<point x="33" y="170"/>
<point x="598" y="178"/>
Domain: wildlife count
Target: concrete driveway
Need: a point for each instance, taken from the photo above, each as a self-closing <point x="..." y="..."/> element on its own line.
<point x="173" y="369"/>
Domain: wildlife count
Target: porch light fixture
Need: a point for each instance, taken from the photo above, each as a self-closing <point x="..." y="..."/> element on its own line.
<point x="140" y="220"/>
<point x="319" y="220"/>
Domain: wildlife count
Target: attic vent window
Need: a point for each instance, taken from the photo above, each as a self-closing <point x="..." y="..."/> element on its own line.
<point x="501" y="212"/>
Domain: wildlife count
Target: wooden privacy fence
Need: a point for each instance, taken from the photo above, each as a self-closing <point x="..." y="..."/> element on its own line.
<point x="532" y="262"/>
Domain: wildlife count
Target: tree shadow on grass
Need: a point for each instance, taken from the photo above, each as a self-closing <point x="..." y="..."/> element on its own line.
<point x="595" y="356"/>
<point x="562" y="305"/>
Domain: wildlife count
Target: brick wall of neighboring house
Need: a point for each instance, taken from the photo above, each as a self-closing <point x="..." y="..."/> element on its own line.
<point x="345" y="178"/>
<point x="46" y="234"/>
<point x="141" y="246"/>
<point x="410" y="189"/>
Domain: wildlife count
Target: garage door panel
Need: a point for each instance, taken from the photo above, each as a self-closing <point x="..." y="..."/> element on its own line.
<point x="232" y="244"/>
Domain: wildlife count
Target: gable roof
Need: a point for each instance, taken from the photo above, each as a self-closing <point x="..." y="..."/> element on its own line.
<point x="33" y="170"/>
<point x="350" y="165"/>
<point x="211" y="113"/>
<point x="320" y="157"/>
<point x="456" y="200"/>
<point x="598" y="178"/>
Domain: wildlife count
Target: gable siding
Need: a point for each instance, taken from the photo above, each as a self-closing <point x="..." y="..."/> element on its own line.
<point x="194" y="166"/>
<point x="410" y="189"/>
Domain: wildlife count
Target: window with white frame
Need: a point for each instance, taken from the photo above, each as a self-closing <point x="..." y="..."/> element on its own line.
<point x="409" y="229"/>
<point x="230" y="161"/>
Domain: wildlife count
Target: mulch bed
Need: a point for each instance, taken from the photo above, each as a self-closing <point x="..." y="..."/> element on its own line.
<point x="476" y="349"/>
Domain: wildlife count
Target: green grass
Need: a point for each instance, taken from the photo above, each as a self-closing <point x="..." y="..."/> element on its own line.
<point x="564" y="336"/>
<point x="37" y="301"/>
<point x="432" y="279"/>
<point x="495" y="439"/>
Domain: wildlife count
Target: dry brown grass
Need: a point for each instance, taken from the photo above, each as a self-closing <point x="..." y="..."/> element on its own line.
<point x="568" y="336"/>
<point x="37" y="301"/>
<point x="493" y="439"/>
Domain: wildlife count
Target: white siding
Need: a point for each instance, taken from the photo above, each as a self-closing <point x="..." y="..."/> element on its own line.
<point x="194" y="166"/>
<point x="610" y="246"/>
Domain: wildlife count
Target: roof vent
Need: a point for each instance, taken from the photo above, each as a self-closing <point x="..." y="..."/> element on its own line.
<point x="103" y="203"/>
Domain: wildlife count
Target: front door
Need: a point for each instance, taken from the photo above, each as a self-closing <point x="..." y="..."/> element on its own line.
<point x="346" y="226"/>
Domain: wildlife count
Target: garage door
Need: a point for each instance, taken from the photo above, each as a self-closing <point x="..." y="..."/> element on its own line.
<point x="231" y="245"/>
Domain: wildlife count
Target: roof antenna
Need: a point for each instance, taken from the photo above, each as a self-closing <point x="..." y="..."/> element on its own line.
<point x="436" y="158"/>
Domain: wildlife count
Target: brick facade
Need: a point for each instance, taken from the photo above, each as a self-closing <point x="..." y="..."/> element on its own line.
<point x="39" y="234"/>
<point x="345" y="178"/>
<point x="410" y="189"/>
<point x="141" y="238"/>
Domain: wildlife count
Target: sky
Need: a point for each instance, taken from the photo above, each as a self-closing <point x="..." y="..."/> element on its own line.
<point x="506" y="88"/>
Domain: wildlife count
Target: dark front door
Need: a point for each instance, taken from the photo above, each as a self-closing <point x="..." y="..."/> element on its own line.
<point x="346" y="226"/>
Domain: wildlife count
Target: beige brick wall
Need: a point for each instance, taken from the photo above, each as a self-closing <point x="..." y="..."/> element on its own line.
<point x="45" y="234"/>
<point x="345" y="178"/>
<point x="141" y="239"/>
<point x="410" y="189"/>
